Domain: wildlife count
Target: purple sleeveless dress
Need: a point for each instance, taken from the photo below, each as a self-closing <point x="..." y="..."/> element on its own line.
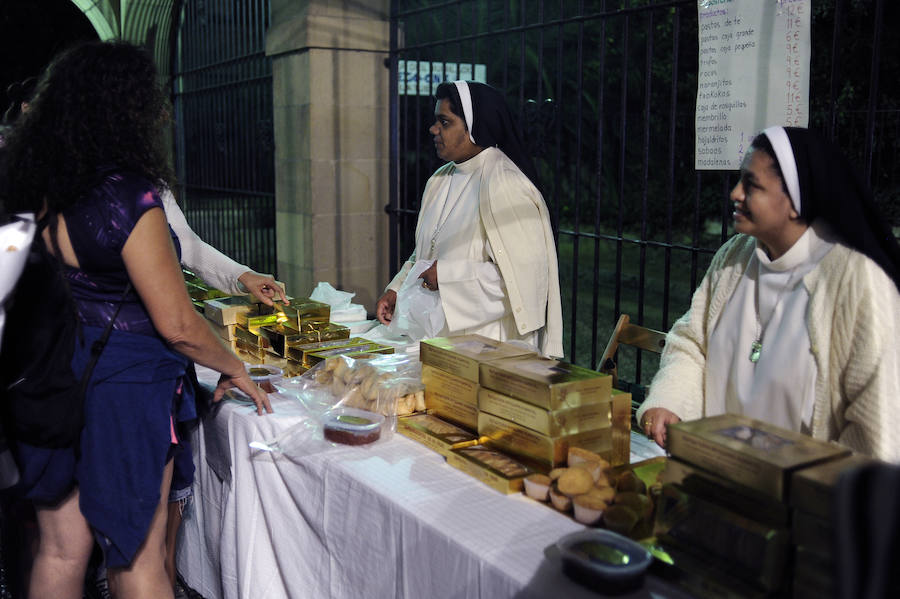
<point x="134" y="390"/>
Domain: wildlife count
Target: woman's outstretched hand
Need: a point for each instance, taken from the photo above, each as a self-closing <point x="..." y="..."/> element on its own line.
<point x="384" y="309"/>
<point x="242" y="381"/>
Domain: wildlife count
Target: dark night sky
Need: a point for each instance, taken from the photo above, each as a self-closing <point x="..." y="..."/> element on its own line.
<point x="32" y="32"/>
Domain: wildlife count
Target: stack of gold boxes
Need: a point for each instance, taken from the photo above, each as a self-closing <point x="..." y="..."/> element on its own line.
<point x="198" y="290"/>
<point x="294" y="337"/>
<point x="537" y="408"/>
<point x="811" y="500"/>
<point x="726" y="503"/>
<point x="527" y="410"/>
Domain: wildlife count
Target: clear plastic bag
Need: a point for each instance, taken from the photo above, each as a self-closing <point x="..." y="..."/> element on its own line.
<point x="389" y="384"/>
<point x="386" y="385"/>
<point x="418" y="313"/>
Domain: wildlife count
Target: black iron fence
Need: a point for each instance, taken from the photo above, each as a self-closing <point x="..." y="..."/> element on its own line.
<point x="605" y="91"/>
<point x="224" y="137"/>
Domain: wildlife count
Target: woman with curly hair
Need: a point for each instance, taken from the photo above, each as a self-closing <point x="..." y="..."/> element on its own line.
<point x="88" y="156"/>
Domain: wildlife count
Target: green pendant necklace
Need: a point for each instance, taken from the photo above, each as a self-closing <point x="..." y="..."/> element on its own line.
<point x="757" y="345"/>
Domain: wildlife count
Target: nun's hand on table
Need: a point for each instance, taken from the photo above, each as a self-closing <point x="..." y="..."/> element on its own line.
<point x="654" y="423"/>
<point x="384" y="309"/>
<point x="429" y="277"/>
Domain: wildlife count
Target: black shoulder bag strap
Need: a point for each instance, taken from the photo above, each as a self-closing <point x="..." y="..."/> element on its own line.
<point x="99" y="344"/>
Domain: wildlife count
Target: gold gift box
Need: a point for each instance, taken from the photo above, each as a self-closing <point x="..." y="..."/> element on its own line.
<point x="565" y="421"/>
<point x="315" y="357"/>
<point x="752" y="551"/>
<point x="294" y="368"/>
<point x="450" y="385"/>
<point x="432" y="432"/>
<point x="225" y="332"/>
<point x="813" y="532"/>
<point x="280" y="336"/>
<point x="320" y="331"/>
<point x="814" y="574"/>
<point x="250" y="339"/>
<point x="543" y="449"/>
<point x="299" y="353"/>
<point x="260" y="316"/>
<point x="450" y="408"/>
<point x="304" y="310"/>
<point x="812" y="489"/>
<point x="248" y="352"/>
<point x="223" y="311"/>
<point x="708" y="485"/>
<point x="462" y="355"/>
<point x="498" y="471"/>
<point x="749" y="452"/>
<point x="550" y="384"/>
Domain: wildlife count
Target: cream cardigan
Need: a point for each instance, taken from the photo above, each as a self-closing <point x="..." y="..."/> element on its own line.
<point x="854" y="328"/>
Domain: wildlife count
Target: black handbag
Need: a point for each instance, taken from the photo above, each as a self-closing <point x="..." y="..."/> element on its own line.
<point x="43" y="400"/>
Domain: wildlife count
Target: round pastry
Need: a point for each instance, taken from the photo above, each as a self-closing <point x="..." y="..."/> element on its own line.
<point x="603" y="493"/>
<point x="556" y="473"/>
<point x="559" y="500"/>
<point x="620" y="518"/>
<point x="588" y="508"/>
<point x="629" y="481"/>
<point x="575" y="481"/>
<point x="537" y="486"/>
<point x="577" y="455"/>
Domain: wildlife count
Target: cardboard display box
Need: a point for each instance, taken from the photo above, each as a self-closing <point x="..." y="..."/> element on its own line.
<point x="544" y="382"/>
<point x="812" y="489"/>
<point x="450" y="408"/>
<point x="500" y="472"/>
<point x="224" y="311"/>
<point x="565" y="421"/>
<point x="546" y="450"/>
<point x="462" y="355"/>
<point x="753" y="453"/>
<point x="432" y="432"/>
<point x="450" y="385"/>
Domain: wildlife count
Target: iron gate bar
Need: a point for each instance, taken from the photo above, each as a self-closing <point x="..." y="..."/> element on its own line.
<point x="601" y="80"/>
<point x="223" y="98"/>
<point x="670" y="187"/>
<point x="230" y="190"/>
<point x="237" y="61"/>
<point x="642" y="268"/>
<point x="873" y="89"/>
<point x="831" y="127"/>
<point x="594" y="15"/>
<point x="576" y="242"/>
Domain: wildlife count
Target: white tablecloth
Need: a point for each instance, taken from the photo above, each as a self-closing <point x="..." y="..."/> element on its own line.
<point x="390" y="519"/>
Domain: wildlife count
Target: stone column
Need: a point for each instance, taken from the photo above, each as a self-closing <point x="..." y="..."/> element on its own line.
<point x="331" y="110"/>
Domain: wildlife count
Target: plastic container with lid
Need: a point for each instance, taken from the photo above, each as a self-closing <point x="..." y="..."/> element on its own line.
<point x="351" y="426"/>
<point x="264" y="375"/>
<point x="602" y="559"/>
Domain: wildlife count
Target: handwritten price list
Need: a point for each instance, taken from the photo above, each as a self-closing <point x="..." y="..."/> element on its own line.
<point x="753" y="72"/>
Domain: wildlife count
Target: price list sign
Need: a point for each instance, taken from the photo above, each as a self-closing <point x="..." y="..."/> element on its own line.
<point x="753" y="73"/>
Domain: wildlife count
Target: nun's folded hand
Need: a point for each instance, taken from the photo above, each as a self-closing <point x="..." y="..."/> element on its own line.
<point x="429" y="277"/>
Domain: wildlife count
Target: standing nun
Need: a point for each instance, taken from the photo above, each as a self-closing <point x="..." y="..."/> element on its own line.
<point x="485" y="225"/>
<point x="797" y="319"/>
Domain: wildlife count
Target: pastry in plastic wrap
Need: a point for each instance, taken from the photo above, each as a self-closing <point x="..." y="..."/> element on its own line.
<point x="386" y="384"/>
